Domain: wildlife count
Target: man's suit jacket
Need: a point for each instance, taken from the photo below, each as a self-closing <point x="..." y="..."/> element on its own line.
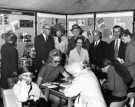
<point x="98" y="53"/>
<point x="43" y="47"/>
<point x="121" y="52"/>
<point x="130" y="60"/>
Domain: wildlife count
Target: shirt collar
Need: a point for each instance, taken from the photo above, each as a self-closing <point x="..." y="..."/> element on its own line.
<point x="118" y="40"/>
<point x="97" y="42"/>
<point x="45" y="37"/>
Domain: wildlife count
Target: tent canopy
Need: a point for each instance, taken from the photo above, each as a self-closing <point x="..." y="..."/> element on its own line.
<point x="69" y="6"/>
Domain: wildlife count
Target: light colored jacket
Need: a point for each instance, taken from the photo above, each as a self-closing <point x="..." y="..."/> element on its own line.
<point x="21" y="90"/>
<point x="86" y="84"/>
<point x="63" y="45"/>
<point x="75" y="57"/>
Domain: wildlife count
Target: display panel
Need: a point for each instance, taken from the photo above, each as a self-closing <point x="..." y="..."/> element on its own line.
<point x="50" y="19"/>
<point x="106" y="21"/>
<point x="26" y="23"/>
<point x="15" y="21"/>
<point x="85" y="21"/>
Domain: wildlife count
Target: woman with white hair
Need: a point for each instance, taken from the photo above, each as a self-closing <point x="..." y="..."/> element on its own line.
<point x="28" y="92"/>
<point x="85" y="86"/>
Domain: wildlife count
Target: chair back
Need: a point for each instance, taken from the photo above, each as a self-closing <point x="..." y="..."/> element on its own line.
<point x="9" y="98"/>
<point x="131" y="97"/>
<point x="118" y="104"/>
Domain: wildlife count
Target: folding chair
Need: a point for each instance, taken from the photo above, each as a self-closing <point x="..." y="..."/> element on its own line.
<point x="131" y="97"/>
<point x="9" y="98"/>
<point x="118" y="104"/>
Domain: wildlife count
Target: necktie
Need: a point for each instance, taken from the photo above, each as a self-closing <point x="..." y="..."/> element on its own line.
<point x="95" y="44"/>
<point x="59" y="39"/>
<point x="116" y="48"/>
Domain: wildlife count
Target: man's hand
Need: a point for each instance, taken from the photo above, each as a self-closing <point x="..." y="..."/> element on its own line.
<point x="120" y="60"/>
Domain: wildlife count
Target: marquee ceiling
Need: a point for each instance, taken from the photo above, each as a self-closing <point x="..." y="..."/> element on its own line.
<point x="69" y="6"/>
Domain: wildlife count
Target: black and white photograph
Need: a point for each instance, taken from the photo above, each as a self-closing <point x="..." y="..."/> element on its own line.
<point x="67" y="53"/>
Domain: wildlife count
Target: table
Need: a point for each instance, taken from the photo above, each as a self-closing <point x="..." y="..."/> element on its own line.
<point x="59" y="94"/>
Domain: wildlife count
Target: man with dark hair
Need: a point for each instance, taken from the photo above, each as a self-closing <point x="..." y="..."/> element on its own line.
<point x="117" y="45"/>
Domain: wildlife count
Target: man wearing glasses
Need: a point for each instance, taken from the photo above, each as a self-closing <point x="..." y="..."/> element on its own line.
<point x="44" y="43"/>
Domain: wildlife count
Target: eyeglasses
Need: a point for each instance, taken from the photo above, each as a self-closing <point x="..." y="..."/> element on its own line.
<point x="79" y="42"/>
<point x="57" y="62"/>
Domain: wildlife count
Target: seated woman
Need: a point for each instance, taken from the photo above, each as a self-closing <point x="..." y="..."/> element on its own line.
<point x="85" y="86"/>
<point x="115" y="83"/>
<point x="78" y="54"/>
<point x="51" y="72"/>
<point x="28" y="92"/>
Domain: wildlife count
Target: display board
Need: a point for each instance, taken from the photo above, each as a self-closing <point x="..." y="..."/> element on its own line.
<point x="106" y="21"/>
<point x="85" y="21"/>
<point x="12" y="21"/>
<point x="50" y="19"/>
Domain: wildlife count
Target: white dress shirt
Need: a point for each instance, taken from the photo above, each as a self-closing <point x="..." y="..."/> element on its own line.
<point x="21" y="90"/>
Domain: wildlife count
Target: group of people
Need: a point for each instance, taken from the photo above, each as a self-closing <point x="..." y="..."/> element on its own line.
<point x="102" y="73"/>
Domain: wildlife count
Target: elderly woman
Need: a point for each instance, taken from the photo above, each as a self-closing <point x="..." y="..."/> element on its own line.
<point x="50" y="72"/>
<point x="28" y="92"/>
<point x="78" y="54"/>
<point x="85" y="86"/>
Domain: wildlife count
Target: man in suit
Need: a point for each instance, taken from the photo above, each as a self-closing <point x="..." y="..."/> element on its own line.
<point x="117" y="45"/>
<point x="98" y="52"/>
<point x="98" y="49"/>
<point x="44" y="42"/>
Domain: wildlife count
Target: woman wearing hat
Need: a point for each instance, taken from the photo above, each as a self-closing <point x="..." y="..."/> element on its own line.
<point x="51" y="72"/>
<point x="77" y="32"/>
